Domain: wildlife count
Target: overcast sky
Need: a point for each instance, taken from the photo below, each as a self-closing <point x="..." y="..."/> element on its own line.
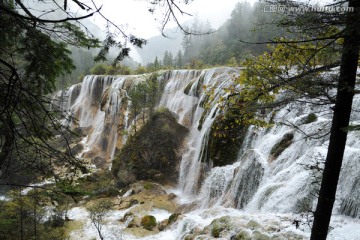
<point x="134" y="14"/>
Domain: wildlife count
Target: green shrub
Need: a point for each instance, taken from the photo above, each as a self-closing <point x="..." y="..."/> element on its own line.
<point x="118" y="70"/>
<point x="98" y="69"/>
<point x="141" y="70"/>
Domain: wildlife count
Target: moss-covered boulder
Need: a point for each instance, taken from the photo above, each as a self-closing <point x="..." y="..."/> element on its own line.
<point x="173" y="217"/>
<point x="280" y="146"/>
<point x="253" y="225"/>
<point x="242" y="236"/>
<point x="148" y="222"/>
<point x="152" y="153"/>
<point x="218" y="225"/>
<point x="310" y="118"/>
<point x="260" y="236"/>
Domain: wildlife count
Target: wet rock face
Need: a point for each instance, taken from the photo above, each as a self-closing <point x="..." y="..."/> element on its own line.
<point x="226" y="138"/>
<point x="152" y="153"/>
<point x="248" y="180"/>
<point x="280" y="146"/>
<point x="350" y="204"/>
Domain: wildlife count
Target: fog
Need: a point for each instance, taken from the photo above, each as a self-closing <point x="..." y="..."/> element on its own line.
<point x="135" y="17"/>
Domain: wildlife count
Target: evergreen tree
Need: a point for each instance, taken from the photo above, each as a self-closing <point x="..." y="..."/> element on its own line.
<point x="33" y="54"/>
<point x="156" y="63"/>
<point x="179" y="62"/>
<point x="168" y="59"/>
<point x="340" y="122"/>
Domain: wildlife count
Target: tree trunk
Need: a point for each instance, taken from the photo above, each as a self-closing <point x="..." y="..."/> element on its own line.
<point x="340" y="121"/>
<point x="6" y="148"/>
<point x="21" y="223"/>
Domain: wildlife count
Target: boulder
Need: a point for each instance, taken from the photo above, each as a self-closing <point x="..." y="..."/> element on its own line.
<point x="152" y="153"/>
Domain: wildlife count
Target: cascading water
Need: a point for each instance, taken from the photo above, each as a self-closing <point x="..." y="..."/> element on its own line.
<point x="185" y="95"/>
<point x="100" y="102"/>
<point x="276" y="169"/>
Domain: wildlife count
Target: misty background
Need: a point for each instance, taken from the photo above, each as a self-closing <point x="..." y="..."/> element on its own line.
<point x="232" y="28"/>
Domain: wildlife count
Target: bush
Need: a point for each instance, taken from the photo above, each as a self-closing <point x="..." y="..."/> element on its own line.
<point x="103" y="69"/>
<point x="118" y="70"/>
<point x="141" y="70"/>
<point x="98" y="69"/>
<point x="99" y="184"/>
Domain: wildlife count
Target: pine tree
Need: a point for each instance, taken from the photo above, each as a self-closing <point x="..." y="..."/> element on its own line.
<point x="179" y="62"/>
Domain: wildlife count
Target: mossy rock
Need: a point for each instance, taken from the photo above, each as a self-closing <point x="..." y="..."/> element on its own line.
<point x="152" y="153"/>
<point x="241" y="236"/>
<point x="287" y="236"/>
<point x="139" y="232"/>
<point x="148" y="222"/>
<point x="279" y="147"/>
<point x="188" y="87"/>
<point x="190" y="237"/>
<point x="310" y="118"/>
<point x="217" y="226"/>
<point x="202" y="119"/>
<point x="148" y="188"/>
<point x="173" y="217"/>
<point x="134" y="223"/>
<point x="99" y="184"/>
<point x="216" y="230"/>
<point x="253" y="225"/>
<point x="260" y="236"/>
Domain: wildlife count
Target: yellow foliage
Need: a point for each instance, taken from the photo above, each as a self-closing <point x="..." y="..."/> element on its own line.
<point x="265" y="76"/>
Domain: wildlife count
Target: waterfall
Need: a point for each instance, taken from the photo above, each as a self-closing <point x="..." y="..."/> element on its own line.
<point x="101" y="104"/>
<point x="186" y="96"/>
<point x="277" y="169"/>
<point x="263" y="178"/>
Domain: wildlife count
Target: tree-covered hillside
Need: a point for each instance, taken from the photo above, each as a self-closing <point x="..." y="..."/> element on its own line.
<point x="228" y="45"/>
